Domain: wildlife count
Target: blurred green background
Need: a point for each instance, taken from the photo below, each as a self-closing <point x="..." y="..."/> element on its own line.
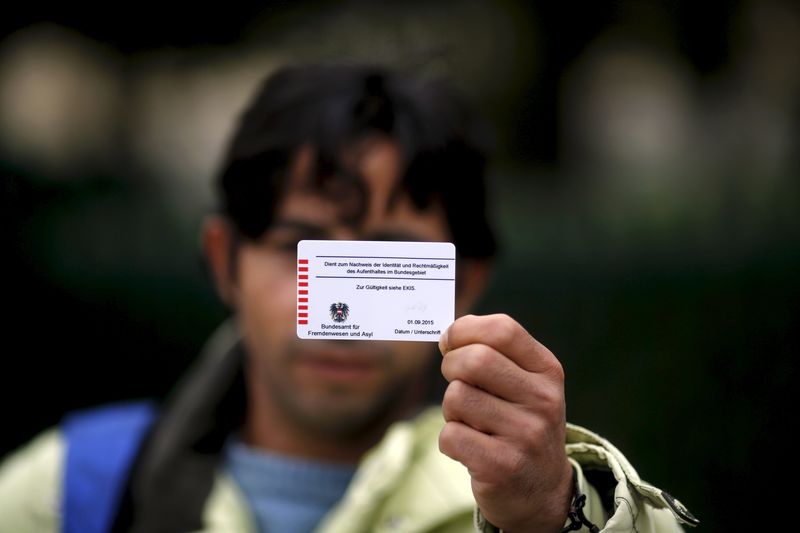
<point x="645" y="186"/>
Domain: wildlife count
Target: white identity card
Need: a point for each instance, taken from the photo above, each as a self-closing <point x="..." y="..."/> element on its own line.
<point x="375" y="290"/>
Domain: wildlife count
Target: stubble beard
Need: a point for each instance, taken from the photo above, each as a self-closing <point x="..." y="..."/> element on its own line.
<point x="336" y="412"/>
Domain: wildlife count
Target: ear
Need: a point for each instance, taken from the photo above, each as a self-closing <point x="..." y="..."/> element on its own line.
<point x="217" y="239"/>
<point x="473" y="276"/>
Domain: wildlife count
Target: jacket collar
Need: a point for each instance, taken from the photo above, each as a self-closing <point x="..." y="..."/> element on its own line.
<point x="174" y="472"/>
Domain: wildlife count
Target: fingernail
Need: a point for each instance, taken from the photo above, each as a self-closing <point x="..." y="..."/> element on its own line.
<point x="443" y="342"/>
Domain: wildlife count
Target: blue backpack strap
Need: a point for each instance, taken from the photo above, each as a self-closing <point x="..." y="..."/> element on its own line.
<point x="101" y="445"/>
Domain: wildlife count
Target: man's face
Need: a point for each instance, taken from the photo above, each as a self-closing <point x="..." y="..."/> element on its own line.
<point x="338" y="388"/>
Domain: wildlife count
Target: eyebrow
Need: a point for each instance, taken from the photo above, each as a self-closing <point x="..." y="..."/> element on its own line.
<point x="299" y="226"/>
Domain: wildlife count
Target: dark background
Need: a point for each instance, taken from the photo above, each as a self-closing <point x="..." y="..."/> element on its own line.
<point x="645" y="187"/>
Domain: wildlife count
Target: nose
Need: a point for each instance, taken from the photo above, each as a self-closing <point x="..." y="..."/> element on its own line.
<point x="345" y="233"/>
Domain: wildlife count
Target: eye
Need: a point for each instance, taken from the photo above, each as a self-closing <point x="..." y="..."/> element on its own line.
<point x="285" y="235"/>
<point x="288" y="243"/>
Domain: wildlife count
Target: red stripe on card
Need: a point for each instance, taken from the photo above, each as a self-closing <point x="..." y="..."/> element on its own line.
<point x="302" y="322"/>
<point x="302" y="284"/>
<point x="302" y="291"/>
<point x="303" y="261"/>
<point x="302" y="276"/>
<point x="302" y="308"/>
<point x="302" y="269"/>
<point x="304" y="300"/>
<point x="302" y="315"/>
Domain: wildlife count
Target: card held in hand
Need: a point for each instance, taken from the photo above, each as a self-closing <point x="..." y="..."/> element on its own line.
<point x="375" y="290"/>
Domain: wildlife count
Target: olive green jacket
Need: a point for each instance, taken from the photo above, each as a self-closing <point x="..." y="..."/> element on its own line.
<point x="405" y="484"/>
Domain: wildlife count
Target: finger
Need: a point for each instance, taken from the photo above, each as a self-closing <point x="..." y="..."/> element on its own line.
<point x="505" y="335"/>
<point x="487" y="458"/>
<point x="484" y="412"/>
<point x="482" y="366"/>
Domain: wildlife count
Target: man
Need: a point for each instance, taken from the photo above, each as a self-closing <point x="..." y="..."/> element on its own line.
<point x="274" y="433"/>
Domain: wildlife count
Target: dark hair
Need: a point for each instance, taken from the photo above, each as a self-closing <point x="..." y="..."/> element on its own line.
<point x="330" y="106"/>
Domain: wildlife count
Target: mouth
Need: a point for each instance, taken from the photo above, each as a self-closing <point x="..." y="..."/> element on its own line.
<point x="337" y="365"/>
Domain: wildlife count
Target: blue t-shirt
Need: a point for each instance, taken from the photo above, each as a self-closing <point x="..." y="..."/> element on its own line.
<point x="286" y="494"/>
